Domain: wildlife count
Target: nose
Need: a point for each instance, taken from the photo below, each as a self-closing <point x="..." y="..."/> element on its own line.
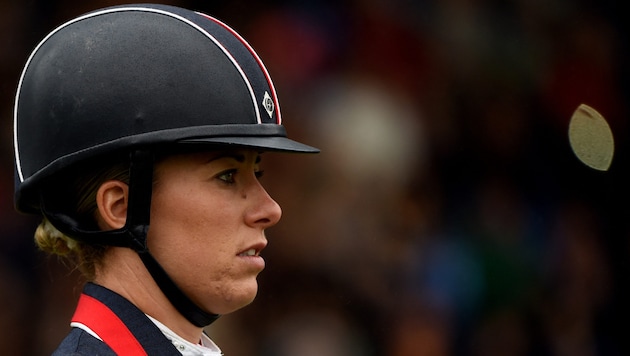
<point x="265" y="212"/>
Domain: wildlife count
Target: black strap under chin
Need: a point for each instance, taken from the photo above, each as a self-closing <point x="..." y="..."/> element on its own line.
<point x="138" y="219"/>
<point x="134" y="235"/>
<point x="181" y="302"/>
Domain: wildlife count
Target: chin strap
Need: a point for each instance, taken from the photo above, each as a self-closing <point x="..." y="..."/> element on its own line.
<point x="134" y="235"/>
<point x="138" y="219"/>
<point x="180" y="301"/>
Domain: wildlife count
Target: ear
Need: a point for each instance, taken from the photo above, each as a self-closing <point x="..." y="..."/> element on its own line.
<point x="112" y="199"/>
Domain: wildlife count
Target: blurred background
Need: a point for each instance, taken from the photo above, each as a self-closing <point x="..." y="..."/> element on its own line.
<point x="446" y="214"/>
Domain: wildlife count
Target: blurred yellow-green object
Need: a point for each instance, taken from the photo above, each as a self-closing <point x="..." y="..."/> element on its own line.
<point x="591" y="138"/>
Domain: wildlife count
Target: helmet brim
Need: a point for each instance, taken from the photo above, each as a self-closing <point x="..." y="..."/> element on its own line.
<point x="276" y="144"/>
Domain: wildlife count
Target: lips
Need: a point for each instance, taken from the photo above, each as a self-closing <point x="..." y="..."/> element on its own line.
<point x="253" y="251"/>
<point x="250" y="252"/>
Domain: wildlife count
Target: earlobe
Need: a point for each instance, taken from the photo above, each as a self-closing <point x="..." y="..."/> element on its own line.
<point x="112" y="199"/>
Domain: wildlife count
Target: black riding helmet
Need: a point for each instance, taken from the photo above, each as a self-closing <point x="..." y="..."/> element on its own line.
<point x="137" y="79"/>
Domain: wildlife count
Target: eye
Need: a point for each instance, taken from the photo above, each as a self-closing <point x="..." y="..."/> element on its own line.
<point x="228" y="176"/>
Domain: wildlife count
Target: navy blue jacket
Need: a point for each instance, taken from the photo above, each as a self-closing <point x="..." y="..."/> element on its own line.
<point x="78" y="342"/>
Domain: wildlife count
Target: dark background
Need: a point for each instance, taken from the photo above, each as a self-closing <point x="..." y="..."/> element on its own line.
<point x="446" y="214"/>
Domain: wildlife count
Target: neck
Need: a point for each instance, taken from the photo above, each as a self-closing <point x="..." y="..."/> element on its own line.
<point x="123" y="272"/>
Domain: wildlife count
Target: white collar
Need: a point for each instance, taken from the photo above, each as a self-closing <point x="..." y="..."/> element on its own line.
<point x="187" y="348"/>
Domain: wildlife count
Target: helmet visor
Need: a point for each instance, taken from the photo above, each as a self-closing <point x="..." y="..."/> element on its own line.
<point x="273" y="143"/>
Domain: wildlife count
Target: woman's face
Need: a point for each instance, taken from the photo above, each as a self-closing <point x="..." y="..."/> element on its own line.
<point x="209" y="213"/>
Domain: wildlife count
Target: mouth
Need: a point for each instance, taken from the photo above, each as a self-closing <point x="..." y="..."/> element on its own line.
<point x="253" y="251"/>
<point x="249" y="253"/>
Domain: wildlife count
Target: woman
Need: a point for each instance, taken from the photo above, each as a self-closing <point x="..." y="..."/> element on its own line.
<point x="138" y="135"/>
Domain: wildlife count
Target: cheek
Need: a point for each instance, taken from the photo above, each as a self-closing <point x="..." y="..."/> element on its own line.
<point x="190" y="222"/>
<point x="195" y="235"/>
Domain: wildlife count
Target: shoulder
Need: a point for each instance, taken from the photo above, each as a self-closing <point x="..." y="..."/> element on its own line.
<point x="79" y="342"/>
<point x="96" y="312"/>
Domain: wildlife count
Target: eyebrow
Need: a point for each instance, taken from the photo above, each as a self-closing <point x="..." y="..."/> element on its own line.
<point x="239" y="157"/>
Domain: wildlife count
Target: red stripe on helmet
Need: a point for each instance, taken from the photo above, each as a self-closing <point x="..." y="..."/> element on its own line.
<point x="258" y="60"/>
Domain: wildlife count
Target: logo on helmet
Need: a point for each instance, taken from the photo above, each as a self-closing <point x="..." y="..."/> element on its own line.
<point x="268" y="104"/>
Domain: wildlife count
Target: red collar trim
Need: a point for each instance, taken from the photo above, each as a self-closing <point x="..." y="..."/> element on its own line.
<point x="108" y="326"/>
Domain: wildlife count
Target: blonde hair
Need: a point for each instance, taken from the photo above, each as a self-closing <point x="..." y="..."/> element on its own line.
<point x="82" y="190"/>
<point x="76" y="254"/>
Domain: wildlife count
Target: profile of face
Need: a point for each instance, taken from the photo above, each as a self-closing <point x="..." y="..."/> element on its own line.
<point x="209" y="213"/>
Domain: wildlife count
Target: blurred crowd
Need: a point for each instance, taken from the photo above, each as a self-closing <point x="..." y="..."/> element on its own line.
<point x="446" y="213"/>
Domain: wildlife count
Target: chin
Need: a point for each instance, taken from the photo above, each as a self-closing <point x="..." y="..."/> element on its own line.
<point x="238" y="298"/>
